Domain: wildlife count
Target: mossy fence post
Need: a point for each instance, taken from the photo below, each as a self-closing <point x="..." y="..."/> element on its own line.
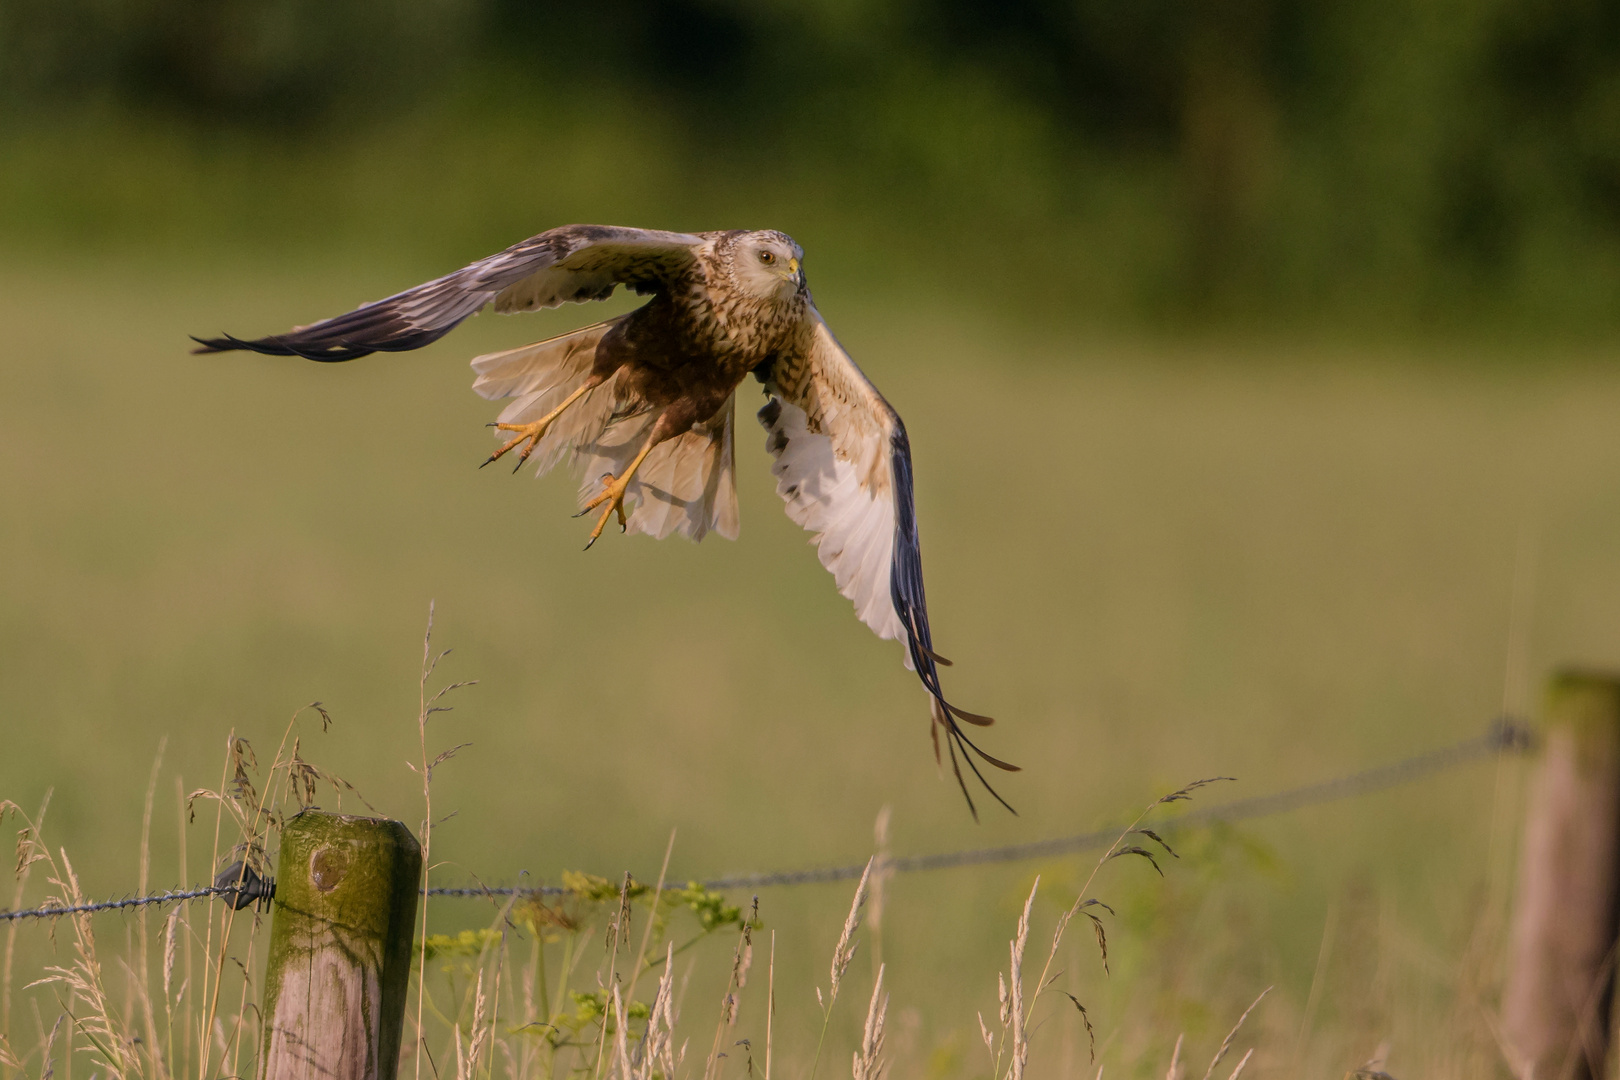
<point x="1556" y="1008"/>
<point x="340" y="948"/>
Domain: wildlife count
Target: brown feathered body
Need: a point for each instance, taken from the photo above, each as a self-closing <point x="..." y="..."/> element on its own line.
<point x="686" y="351"/>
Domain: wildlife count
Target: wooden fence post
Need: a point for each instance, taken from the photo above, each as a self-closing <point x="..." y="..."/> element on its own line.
<point x="340" y="948"/>
<point x="1555" y="1011"/>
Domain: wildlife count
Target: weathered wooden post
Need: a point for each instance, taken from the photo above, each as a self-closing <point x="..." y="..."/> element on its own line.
<point x="1555" y="1012"/>
<point x="340" y="948"/>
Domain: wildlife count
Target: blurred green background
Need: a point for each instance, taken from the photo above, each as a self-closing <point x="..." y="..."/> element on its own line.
<point x="1426" y="160"/>
<point x="1251" y="352"/>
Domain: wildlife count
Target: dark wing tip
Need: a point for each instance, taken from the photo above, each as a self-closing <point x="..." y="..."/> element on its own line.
<point x="956" y="740"/>
<point x="224" y="343"/>
<point x="911" y="604"/>
<point x="288" y="345"/>
<point x="1004" y="766"/>
<point x="971" y="718"/>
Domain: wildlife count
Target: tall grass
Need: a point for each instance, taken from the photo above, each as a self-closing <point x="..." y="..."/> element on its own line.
<point x="546" y="984"/>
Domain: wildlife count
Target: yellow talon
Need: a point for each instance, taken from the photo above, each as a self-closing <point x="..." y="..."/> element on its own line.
<point x="613" y="490"/>
<point x="612" y="493"/>
<point x="532" y="433"/>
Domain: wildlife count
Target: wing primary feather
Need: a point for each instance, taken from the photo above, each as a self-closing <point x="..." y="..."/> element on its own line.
<point x="956" y="769"/>
<point x="843" y="467"/>
<point x="910" y="602"/>
<point x="283" y="345"/>
<point x="573" y="263"/>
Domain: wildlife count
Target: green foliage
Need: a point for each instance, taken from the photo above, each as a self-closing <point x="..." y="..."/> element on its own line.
<point x="273" y="63"/>
<point x="712" y="910"/>
<point x="464" y="943"/>
<point x="591" y="1009"/>
<point x="1260" y="158"/>
<point x="598" y="890"/>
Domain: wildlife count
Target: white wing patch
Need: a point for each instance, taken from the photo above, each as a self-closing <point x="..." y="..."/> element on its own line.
<point x="853" y="523"/>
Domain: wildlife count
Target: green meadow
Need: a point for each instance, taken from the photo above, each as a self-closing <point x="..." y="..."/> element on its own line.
<point x="1277" y="556"/>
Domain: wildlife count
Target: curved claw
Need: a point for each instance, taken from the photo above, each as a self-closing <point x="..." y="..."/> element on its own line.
<point x="612" y="493"/>
<point x="529" y="433"/>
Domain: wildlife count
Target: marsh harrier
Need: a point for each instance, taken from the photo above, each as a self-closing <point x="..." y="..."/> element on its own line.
<point x="642" y="404"/>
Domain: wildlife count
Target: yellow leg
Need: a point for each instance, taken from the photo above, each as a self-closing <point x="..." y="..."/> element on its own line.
<point x="612" y="493"/>
<point x="533" y="433"/>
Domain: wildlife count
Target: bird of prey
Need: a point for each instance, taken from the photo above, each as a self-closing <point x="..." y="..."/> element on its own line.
<point x="643" y="403"/>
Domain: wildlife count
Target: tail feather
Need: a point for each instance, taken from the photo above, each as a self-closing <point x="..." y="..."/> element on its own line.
<point x="686" y="484"/>
<point x="539" y="377"/>
<point x="557" y="364"/>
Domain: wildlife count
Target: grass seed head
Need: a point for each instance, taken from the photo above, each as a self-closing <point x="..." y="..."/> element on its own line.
<point x="845" y="950"/>
<point x="1174" y="1072"/>
<point x="1226" y="1044"/>
<point x="869" y="1063"/>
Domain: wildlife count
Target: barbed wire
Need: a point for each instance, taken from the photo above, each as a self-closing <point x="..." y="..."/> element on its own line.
<point x="1505" y="735"/>
<point x="246" y="888"/>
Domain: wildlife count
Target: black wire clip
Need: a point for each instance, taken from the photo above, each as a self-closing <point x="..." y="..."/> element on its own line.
<point x="246" y="886"/>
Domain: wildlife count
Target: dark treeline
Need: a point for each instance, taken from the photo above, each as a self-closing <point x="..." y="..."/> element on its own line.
<point x="1288" y="155"/>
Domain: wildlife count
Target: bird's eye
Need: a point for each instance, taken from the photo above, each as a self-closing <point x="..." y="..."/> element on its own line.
<point x="767" y="257"/>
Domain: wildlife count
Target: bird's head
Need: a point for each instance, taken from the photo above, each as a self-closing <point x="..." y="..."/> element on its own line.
<point x="767" y="264"/>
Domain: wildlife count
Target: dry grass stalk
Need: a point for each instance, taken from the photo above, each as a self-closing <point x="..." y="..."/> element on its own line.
<point x="181" y="1065"/>
<point x="843" y="953"/>
<point x="869" y="1063"/>
<point x="25" y="865"/>
<point x="741" y="961"/>
<point x="171" y="999"/>
<point x="1237" y="1072"/>
<point x="1014" y="1012"/>
<point x="26" y="858"/>
<point x="477" y="1034"/>
<point x="1226" y="1044"/>
<point x="770" y="1005"/>
<point x="48" y="1056"/>
<point x="83" y="979"/>
<point x="427" y="707"/>
<point x="1174" y="1072"/>
<point x="659" y="1043"/>
<point x="1019" y="1037"/>
<point x="882" y="871"/>
<point x="621" y="1039"/>
<point x="646" y="931"/>
<point x="618" y="932"/>
<point x="7" y="1058"/>
<point x="138" y="979"/>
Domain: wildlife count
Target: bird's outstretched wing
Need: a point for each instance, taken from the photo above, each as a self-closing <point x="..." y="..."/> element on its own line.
<point x="570" y="264"/>
<point x="843" y="467"/>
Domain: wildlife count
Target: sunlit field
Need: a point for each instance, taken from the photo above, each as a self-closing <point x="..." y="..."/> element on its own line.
<point x="1153" y="560"/>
